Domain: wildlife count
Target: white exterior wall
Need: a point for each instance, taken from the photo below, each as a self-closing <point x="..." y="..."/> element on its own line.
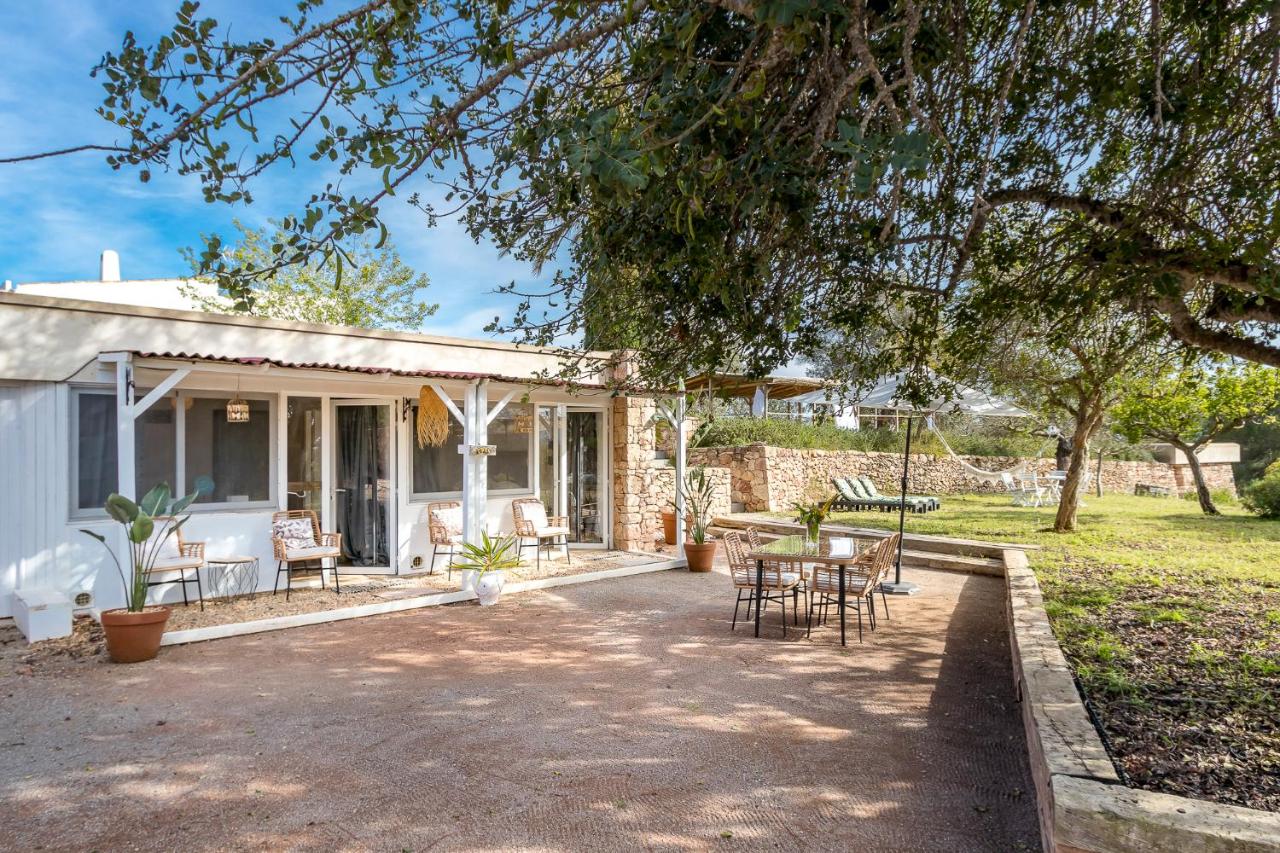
<point x="40" y="541"/>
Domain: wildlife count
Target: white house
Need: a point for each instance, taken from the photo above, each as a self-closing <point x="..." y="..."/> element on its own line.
<point x="98" y="397"/>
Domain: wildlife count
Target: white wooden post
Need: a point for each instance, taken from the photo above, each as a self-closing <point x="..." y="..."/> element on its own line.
<point x="468" y="465"/>
<point x="126" y="480"/>
<point x="680" y="466"/>
<point x="480" y="491"/>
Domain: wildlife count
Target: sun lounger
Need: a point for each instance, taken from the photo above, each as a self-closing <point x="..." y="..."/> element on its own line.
<point x="852" y="494"/>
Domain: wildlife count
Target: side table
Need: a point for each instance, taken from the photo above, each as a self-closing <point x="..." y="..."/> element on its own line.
<point x="236" y="576"/>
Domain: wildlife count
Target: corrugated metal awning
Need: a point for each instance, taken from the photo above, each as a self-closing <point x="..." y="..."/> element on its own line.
<point x="457" y="375"/>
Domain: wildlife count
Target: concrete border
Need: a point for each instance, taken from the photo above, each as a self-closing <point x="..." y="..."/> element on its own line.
<point x="319" y="617"/>
<point x="1083" y="807"/>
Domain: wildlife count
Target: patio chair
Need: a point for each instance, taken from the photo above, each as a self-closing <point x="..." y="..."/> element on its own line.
<point x="862" y="578"/>
<point x="176" y="555"/>
<point x="444" y="523"/>
<point x="753" y="539"/>
<point x="301" y="547"/>
<point x="532" y="522"/>
<point x="778" y="580"/>
<point x="1022" y="491"/>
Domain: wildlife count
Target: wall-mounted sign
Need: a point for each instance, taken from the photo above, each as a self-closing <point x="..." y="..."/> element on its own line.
<point x="477" y="449"/>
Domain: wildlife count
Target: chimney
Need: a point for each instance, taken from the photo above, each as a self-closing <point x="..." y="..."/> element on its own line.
<point x="109" y="267"/>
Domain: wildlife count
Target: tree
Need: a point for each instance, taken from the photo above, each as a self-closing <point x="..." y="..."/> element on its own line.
<point x="771" y="171"/>
<point x="377" y="291"/>
<point x="1190" y="407"/>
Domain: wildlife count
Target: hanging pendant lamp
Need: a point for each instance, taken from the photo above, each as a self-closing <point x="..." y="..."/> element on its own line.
<point x="237" y="409"/>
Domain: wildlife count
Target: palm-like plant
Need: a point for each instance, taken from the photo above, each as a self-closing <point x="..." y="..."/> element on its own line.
<point x="699" y="492"/>
<point x="139" y="522"/>
<point x="490" y="554"/>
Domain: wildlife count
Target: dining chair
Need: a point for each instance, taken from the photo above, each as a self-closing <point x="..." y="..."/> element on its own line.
<point x="863" y="576"/>
<point x="779" y="579"/>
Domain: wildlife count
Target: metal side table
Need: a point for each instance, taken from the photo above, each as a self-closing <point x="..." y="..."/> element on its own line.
<point x="233" y="577"/>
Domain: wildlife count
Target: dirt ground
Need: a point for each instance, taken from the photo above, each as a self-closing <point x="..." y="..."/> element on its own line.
<point x="617" y="715"/>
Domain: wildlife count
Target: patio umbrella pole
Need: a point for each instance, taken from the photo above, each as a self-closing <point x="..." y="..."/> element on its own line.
<point x="899" y="586"/>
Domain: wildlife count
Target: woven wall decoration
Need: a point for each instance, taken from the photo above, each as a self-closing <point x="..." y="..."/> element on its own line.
<point x="433" y="418"/>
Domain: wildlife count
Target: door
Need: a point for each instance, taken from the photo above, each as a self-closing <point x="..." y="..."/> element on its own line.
<point x="363" y="497"/>
<point x="571" y="470"/>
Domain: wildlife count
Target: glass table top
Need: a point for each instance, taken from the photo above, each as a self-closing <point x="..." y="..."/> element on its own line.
<point x="828" y="548"/>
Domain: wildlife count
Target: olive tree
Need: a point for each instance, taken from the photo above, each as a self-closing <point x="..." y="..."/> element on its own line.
<point x="1191" y="406"/>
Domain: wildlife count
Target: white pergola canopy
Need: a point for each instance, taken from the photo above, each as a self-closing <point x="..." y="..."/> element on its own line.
<point x="887" y="394"/>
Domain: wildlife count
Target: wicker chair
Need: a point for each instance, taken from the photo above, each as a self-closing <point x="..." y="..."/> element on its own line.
<point x="444" y="520"/>
<point x="301" y="547"/>
<point x="753" y="539"/>
<point x="532" y="522"/>
<point x="176" y="554"/>
<point x="779" y="579"/>
<point x="862" y="578"/>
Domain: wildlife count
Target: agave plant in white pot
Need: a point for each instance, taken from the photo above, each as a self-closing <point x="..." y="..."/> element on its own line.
<point x="484" y="564"/>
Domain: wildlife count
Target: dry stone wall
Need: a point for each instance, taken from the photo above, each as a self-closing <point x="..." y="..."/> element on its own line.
<point x="765" y="478"/>
<point x="643" y="483"/>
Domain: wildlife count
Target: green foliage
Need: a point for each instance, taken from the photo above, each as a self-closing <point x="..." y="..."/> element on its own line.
<point x="138" y="521"/>
<point x="698" y="492"/>
<point x="490" y="554"/>
<point x="378" y="291"/>
<point x="1197" y="403"/>
<point x="1219" y="496"/>
<point x="1262" y="496"/>
<point x="735" y="181"/>
<point x="782" y="432"/>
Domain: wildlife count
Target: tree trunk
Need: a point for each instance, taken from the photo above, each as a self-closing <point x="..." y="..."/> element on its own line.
<point x="1090" y="417"/>
<point x="1197" y="474"/>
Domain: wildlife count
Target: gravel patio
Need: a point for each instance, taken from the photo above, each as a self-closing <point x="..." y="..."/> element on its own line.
<point x="617" y="715"/>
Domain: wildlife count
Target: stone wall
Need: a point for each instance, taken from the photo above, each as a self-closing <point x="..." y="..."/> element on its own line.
<point x="644" y="485"/>
<point x="768" y="478"/>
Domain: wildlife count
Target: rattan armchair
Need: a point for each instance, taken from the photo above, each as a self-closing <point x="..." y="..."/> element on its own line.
<point x="444" y="521"/>
<point x="778" y="580"/>
<point x="300" y="546"/>
<point x="532" y="522"/>
<point x="176" y="555"/>
<point x="862" y="578"/>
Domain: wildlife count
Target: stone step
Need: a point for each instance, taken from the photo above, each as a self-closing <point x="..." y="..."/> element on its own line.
<point x="911" y="541"/>
<point x="913" y="558"/>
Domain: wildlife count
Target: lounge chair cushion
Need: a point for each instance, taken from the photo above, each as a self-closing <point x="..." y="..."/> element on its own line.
<point x="535" y="514"/>
<point x="748" y="576"/>
<point x="858" y="491"/>
<point x="868" y="486"/>
<point x="551" y="531"/>
<point x="174" y="563"/>
<point x="311" y="552"/>
<point x="296" y="532"/>
<point x="166" y="550"/>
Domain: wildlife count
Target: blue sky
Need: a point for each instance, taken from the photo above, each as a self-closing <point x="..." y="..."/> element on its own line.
<point x="57" y="215"/>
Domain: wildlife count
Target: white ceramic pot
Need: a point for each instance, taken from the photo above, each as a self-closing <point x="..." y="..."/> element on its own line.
<point x="489" y="587"/>
<point x="468" y="579"/>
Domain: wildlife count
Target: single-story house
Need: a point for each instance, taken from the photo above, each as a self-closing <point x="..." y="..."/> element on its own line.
<point x="98" y="397"/>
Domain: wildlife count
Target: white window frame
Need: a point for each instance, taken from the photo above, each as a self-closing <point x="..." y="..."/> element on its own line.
<point x="428" y="497"/>
<point x="73" y="450"/>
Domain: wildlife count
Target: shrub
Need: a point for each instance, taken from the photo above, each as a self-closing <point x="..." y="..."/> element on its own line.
<point x="781" y="432"/>
<point x="1219" y="496"/>
<point x="1263" y="496"/>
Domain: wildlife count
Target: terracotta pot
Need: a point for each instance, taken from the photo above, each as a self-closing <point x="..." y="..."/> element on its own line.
<point x="701" y="556"/>
<point x="669" y="527"/>
<point x="134" y="637"/>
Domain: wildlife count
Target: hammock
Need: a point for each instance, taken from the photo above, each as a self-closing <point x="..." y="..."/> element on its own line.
<point x="990" y="476"/>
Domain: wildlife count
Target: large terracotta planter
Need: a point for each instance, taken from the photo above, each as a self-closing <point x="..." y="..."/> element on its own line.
<point x="134" y="637"/>
<point x="700" y="557"/>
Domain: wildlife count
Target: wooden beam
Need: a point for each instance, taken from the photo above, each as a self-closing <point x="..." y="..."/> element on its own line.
<point x="164" y="387"/>
<point x="499" y="406"/>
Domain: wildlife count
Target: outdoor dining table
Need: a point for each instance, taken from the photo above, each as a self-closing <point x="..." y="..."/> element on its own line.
<point x="800" y="550"/>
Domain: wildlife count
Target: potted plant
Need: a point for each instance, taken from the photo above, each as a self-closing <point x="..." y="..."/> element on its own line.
<point x="133" y="632"/>
<point x="484" y="565"/>
<point x="811" y="516"/>
<point x="699" y="547"/>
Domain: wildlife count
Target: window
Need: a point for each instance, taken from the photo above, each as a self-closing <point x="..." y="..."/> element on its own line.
<point x="512" y="433"/>
<point x="236" y="458"/>
<point x="95" y="474"/>
<point x="231" y="459"/>
<point x="438" y="470"/>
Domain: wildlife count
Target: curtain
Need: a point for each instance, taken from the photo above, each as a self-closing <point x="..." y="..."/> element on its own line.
<point x="362" y="475"/>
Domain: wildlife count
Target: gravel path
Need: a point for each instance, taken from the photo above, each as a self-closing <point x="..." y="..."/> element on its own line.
<point x="618" y="715"/>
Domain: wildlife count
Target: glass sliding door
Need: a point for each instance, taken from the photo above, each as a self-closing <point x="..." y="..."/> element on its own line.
<point x="363" y="493"/>
<point x="583" y="433"/>
<point x="304" y="454"/>
<point x="572" y="479"/>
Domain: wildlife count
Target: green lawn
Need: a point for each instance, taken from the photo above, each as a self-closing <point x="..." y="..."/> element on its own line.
<point x="1171" y="620"/>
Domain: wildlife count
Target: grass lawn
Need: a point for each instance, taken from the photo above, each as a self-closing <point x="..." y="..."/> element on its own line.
<point x="1172" y="622"/>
